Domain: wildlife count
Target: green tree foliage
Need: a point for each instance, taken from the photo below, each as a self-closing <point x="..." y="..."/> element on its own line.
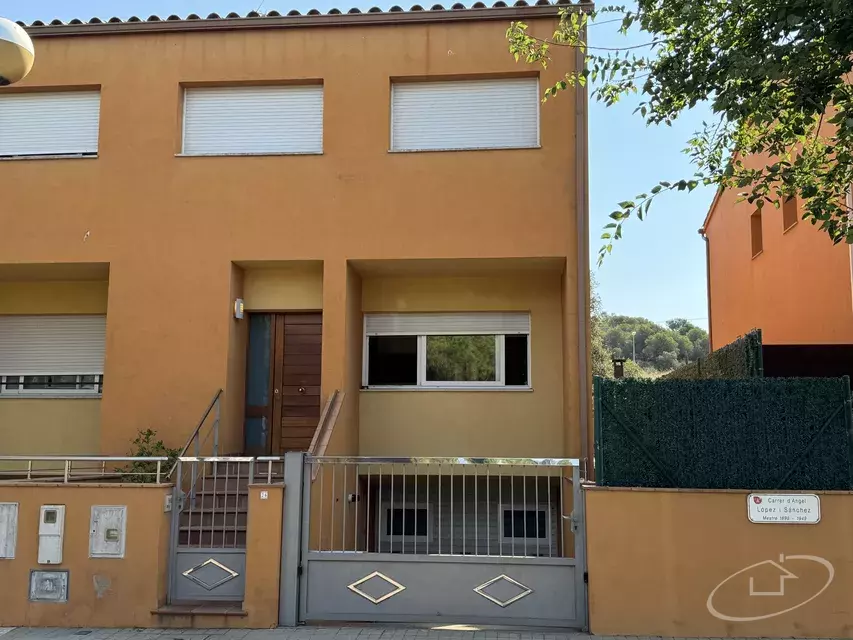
<point x="775" y="74"/>
<point x="602" y="363"/>
<point x="145" y="445"/>
<point x="634" y="371"/>
<point x="658" y="348"/>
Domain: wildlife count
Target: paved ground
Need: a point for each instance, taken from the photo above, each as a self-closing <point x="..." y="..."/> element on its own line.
<point x="372" y="632"/>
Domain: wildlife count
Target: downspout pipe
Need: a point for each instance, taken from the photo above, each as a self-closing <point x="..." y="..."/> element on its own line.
<point x="708" y="286"/>
<point x="583" y="293"/>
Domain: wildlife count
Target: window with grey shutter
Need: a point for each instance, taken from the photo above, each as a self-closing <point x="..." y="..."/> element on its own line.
<point x="44" y="355"/>
<point x="253" y="120"/>
<point x="465" y="114"/>
<point x="49" y="124"/>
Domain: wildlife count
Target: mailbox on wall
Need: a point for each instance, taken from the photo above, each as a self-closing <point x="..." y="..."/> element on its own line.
<point x="51" y="533"/>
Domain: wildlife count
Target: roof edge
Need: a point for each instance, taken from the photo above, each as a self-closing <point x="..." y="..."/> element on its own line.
<point x="711" y="210"/>
<point x="321" y="20"/>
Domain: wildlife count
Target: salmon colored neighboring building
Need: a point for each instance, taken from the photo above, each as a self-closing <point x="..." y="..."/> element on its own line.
<point x="296" y="164"/>
<point x="773" y="271"/>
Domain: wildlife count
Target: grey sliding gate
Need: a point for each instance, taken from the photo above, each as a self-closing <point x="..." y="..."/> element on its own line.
<point x="480" y="540"/>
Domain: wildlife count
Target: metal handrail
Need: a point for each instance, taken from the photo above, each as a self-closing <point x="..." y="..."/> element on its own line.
<point x="269" y="460"/>
<point x="508" y="462"/>
<point x="194" y="435"/>
<point x="82" y="459"/>
<point x="321" y="424"/>
<point x="325" y="427"/>
<point x="216" y="459"/>
<point x="68" y="461"/>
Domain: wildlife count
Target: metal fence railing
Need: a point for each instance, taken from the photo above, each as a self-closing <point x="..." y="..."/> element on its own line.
<point x="213" y="497"/>
<point x="83" y="468"/>
<point x="519" y="507"/>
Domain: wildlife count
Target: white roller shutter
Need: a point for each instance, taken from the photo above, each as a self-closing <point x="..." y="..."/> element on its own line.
<point x="479" y="323"/>
<point x="470" y="114"/>
<point x="61" y="123"/>
<point x="52" y="345"/>
<point x="253" y="120"/>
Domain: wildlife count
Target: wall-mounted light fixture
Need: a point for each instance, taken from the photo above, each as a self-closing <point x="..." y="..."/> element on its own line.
<point x="238" y="308"/>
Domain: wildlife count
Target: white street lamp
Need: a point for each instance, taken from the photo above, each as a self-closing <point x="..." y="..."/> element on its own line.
<point x="633" y="346"/>
<point x="17" y="53"/>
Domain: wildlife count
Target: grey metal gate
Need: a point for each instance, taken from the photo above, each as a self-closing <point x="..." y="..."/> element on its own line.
<point x="209" y="526"/>
<point x="480" y="540"/>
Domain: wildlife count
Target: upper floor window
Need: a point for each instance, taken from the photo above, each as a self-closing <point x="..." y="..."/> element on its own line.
<point x="790" y="213"/>
<point x="253" y="120"/>
<point x="52" y="355"/>
<point x="49" y="124"/>
<point x="756" y="237"/>
<point x="465" y="114"/>
<point x="447" y="350"/>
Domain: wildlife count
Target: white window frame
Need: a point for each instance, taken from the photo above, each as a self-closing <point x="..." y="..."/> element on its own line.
<point x="423" y="384"/>
<point x="539" y="508"/>
<point x="382" y="518"/>
<point x="20" y="392"/>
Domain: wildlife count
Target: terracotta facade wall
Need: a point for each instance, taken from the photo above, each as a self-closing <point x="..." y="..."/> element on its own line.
<point x="48" y="426"/>
<point x="661" y="560"/>
<point x="171" y="228"/>
<point x="54" y="426"/>
<point x="797" y="291"/>
<point x="498" y="423"/>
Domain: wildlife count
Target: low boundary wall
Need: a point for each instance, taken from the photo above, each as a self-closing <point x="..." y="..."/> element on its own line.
<point x="125" y="591"/>
<point x="668" y="562"/>
<point x="102" y="592"/>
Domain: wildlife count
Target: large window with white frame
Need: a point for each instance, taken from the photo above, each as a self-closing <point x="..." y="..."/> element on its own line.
<point x="58" y="356"/>
<point x="447" y="350"/>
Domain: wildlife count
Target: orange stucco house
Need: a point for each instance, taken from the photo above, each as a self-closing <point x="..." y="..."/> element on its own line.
<point x="769" y="269"/>
<point x="285" y="206"/>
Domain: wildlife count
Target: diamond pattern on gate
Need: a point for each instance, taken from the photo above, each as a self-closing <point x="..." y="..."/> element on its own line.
<point x="218" y="569"/>
<point x="397" y="587"/>
<point x="524" y="590"/>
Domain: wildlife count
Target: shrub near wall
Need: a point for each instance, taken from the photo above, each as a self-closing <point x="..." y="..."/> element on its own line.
<point x="724" y="434"/>
<point x="735" y="361"/>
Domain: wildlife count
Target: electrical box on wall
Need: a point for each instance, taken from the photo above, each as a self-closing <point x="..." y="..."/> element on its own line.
<point x="51" y="533"/>
<point x="107" y="531"/>
<point x="8" y="529"/>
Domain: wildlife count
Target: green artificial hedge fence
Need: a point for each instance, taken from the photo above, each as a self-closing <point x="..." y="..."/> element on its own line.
<point x="735" y="361"/>
<point x="760" y="433"/>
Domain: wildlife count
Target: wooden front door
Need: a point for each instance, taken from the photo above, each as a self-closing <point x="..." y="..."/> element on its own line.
<point x="283" y="382"/>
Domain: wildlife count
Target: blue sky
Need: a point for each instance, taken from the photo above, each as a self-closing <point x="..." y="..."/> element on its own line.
<point x="656" y="271"/>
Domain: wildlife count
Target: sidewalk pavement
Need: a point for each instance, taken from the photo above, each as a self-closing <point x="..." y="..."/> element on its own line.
<point x="349" y="632"/>
<point x="354" y="632"/>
